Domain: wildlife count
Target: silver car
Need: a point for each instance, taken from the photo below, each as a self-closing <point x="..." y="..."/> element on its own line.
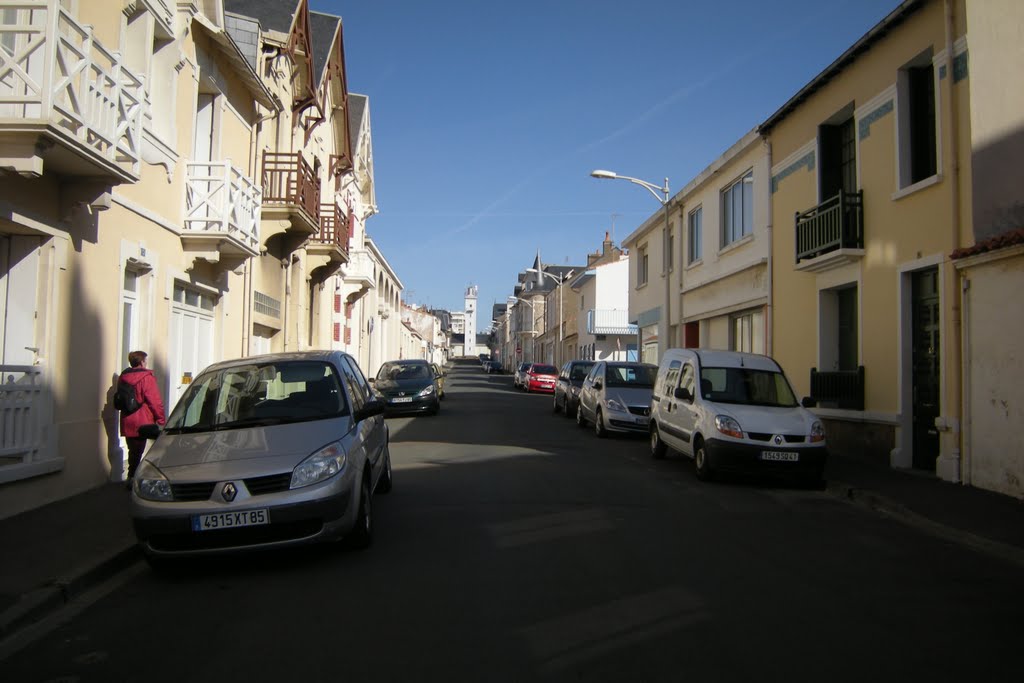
<point x="616" y="397"/>
<point x="260" y="452"/>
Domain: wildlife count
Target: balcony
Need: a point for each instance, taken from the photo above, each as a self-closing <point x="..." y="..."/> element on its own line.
<point x="65" y="99"/>
<point x="26" y="448"/>
<point x="222" y="213"/>
<point x="831" y="234"/>
<point x="291" y="196"/>
<point x="840" y="389"/>
<point x="329" y="247"/>
<point x="359" y="275"/>
<point x="609" y="321"/>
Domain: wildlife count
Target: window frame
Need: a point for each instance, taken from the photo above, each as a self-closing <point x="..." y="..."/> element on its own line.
<point x="694" y="237"/>
<point x="727" y="203"/>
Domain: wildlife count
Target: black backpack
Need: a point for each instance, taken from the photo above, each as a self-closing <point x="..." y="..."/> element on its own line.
<point x="124" y="398"/>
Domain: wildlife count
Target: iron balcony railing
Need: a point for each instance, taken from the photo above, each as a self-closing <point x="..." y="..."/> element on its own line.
<point x="220" y="198"/>
<point x="334" y="227"/>
<point x="609" y="321"/>
<point x="288" y="179"/>
<point x="53" y="70"/>
<point x="839" y="389"/>
<point x="836" y="223"/>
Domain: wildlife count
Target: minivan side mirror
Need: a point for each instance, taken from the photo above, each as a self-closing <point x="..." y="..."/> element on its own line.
<point x="151" y="432"/>
<point x="683" y="394"/>
<point x="598" y="385"/>
<point x="373" y="406"/>
<point x="809" y="402"/>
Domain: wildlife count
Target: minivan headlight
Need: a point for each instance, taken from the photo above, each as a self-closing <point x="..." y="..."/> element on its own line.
<point x="817" y="432"/>
<point x="616" y="406"/>
<point x="427" y="390"/>
<point x="323" y="464"/>
<point x="728" y="426"/>
<point x="151" y="484"/>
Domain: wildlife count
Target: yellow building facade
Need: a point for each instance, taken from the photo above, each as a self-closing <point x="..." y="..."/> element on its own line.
<point x="870" y="191"/>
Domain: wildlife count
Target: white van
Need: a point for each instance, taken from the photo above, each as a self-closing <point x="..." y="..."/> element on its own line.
<point x="733" y="411"/>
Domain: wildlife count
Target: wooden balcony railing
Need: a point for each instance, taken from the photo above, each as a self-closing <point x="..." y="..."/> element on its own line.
<point x="840" y="389"/>
<point x="289" y="180"/>
<point x="334" y="227"/>
<point x="54" y="70"/>
<point x="836" y="223"/>
<point x="220" y="198"/>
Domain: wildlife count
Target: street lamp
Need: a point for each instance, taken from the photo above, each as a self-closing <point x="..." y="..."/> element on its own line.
<point x="558" y="279"/>
<point x="663" y="199"/>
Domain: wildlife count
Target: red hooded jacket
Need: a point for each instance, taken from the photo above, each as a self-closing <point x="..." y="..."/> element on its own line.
<point x="151" y="406"/>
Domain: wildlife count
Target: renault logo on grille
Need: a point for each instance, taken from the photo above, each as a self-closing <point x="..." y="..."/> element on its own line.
<point x="778" y="440"/>
<point x="229" y="492"/>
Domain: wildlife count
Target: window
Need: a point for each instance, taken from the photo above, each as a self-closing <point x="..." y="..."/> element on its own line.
<point x="671" y="377"/>
<point x="748" y="332"/>
<point x="738" y="209"/>
<point x="670" y="250"/>
<point x="693" y="236"/>
<point x="686" y="380"/>
<point x="129" y="313"/>
<point x="641" y="266"/>
<point x="918" y="150"/>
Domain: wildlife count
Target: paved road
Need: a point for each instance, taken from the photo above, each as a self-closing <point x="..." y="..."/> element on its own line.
<point x="516" y="546"/>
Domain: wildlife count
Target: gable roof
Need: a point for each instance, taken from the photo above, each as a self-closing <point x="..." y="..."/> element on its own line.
<point x="356" y="112"/>
<point x="323" y="28"/>
<point x="273" y="15"/>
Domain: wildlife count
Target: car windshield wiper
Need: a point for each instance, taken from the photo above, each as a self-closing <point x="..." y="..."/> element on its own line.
<point x="253" y="422"/>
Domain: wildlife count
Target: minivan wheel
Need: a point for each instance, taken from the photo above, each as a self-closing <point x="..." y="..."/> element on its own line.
<point x="361" y="535"/>
<point x="701" y="463"/>
<point x="599" y="425"/>
<point x="658" y="447"/>
<point x="580" y="420"/>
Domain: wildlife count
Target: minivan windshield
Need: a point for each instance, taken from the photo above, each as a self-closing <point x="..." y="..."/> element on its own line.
<point x="746" y="386"/>
<point x="631" y="375"/>
<point x="259" y="394"/>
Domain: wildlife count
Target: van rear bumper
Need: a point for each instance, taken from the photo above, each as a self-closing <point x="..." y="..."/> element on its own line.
<point x="731" y="456"/>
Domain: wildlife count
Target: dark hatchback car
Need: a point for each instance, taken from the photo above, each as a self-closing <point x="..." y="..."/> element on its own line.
<point x="567" y="388"/>
<point x="408" y="386"/>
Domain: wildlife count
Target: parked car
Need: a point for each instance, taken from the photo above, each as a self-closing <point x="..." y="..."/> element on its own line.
<point x="439" y="374"/>
<point x="519" y="378"/>
<point x="265" y="451"/>
<point x="732" y="411"/>
<point x="567" y="388"/>
<point x="541" y="377"/>
<point x="494" y="368"/>
<point x="408" y="386"/>
<point x="616" y="397"/>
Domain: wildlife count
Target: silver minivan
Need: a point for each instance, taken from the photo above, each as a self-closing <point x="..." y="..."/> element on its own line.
<point x="616" y="397"/>
<point x="733" y="411"/>
<point x="266" y="451"/>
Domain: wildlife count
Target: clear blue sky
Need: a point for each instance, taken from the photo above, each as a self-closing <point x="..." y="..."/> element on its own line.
<point x="488" y="117"/>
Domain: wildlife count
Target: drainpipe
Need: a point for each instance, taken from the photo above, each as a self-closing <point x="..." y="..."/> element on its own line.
<point x="769" y="308"/>
<point x="965" y="369"/>
<point x="955" y="388"/>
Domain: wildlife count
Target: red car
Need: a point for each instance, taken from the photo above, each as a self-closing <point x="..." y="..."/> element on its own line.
<point x="541" y="378"/>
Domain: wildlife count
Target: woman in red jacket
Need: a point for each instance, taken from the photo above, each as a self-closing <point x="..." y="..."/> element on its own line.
<point x="151" y="407"/>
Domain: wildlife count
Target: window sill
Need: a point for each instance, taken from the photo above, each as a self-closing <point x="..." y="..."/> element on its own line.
<point x="737" y="244"/>
<point x="642" y="285"/>
<point x="695" y="264"/>
<point x="917" y="187"/>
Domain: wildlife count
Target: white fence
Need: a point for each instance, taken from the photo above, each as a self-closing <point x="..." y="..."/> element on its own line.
<point x="25" y="417"/>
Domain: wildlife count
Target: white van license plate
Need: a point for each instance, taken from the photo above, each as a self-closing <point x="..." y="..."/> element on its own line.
<point x="780" y="456"/>
<point x="230" y="520"/>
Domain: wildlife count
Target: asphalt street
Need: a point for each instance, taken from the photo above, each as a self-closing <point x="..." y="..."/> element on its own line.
<point x="517" y="547"/>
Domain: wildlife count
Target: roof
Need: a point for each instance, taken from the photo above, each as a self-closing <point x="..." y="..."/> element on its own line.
<point x="879" y="31"/>
<point x="323" y="28"/>
<point x="356" y="112"/>
<point x="1007" y="239"/>
<point x="274" y="15"/>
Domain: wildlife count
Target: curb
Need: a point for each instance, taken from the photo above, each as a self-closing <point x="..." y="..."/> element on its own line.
<point x="872" y="500"/>
<point x="40" y="602"/>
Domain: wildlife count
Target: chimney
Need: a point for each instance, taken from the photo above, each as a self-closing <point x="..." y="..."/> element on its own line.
<point x="606" y="246"/>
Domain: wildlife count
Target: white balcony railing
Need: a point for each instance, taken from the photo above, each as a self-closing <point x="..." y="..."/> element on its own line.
<point x="220" y="199"/>
<point x="53" y="70"/>
<point x="360" y="267"/>
<point x="25" y="408"/>
<point x="609" y="321"/>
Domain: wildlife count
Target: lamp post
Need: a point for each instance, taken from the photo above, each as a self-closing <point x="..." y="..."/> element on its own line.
<point x="558" y="279"/>
<point x="663" y="200"/>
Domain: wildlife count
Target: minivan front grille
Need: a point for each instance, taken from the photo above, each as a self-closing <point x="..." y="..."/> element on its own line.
<point x="640" y="410"/>
<point x="789" y="438"/>
<point x="191" y="492"/>
<point x="258" y="486"/>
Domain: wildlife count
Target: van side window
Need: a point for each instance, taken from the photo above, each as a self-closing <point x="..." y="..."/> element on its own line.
<point x="671" y="377"/>
<point x="686" y="381"/>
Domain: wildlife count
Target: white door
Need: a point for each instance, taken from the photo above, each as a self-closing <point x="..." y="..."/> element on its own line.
<point x="19" y="282"/>
<point x="192" y="339"/>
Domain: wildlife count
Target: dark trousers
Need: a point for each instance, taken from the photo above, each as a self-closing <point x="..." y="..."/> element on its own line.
<point x="136" y="446"/>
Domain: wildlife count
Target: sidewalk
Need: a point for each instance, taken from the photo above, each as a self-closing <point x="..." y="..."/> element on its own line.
<point x="58" y="551"/>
